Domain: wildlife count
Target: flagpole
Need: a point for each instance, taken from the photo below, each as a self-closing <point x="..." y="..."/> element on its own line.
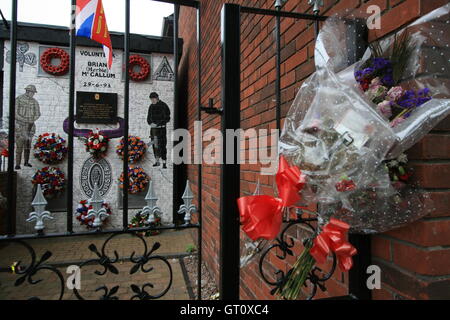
<point x="126" y="113"/>
<point x="11" y="192"/>
<point x="71" y="118"/>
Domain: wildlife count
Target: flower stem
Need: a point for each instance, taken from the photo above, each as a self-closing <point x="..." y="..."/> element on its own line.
<point x="302" y="267"/>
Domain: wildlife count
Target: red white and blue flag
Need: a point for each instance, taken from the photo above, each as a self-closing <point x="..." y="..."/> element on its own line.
<point x="91" y="23"/>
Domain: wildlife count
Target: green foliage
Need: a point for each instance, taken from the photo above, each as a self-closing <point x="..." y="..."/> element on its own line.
<point x="377" y="51"/>
<point x="401" y="52"/>
<point x="191" y="248"/>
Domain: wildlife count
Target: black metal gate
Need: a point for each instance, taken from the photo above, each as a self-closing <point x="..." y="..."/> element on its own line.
<point x="230" y="173"/>
<point x="107" y="262"/>
<point x="230" y="176"/>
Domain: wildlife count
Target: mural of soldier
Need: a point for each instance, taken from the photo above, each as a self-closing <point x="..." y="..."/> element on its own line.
<point x="158" y="117"/>
<point x="27" y="112"/>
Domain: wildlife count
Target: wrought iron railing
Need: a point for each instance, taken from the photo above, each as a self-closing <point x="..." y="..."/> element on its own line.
<point x="285" y="245"/>
<point x="40" y="216"/>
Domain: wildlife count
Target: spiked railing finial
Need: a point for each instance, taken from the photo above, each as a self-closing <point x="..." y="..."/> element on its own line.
<point x="151" y="208"/>
<point x="317" y="4"/>
<point x="188" y="208"/>
<point x="97" y="211"/>
<point x="39" y="214"/>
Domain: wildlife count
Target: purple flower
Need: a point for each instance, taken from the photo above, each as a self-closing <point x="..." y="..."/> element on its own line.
<point x="368" y="71"/>
<point x="381" y="63"/>
<point x="412" y="99"/>
<point x="360" y="75"/>
<point x="423" y="92"/>
<point x="388" y="80"/>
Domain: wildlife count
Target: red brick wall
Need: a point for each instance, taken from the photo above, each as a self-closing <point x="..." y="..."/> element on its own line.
<point x="415" y="260"/>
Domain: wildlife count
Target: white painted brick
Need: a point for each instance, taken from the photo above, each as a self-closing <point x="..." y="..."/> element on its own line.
<point x="53" y="98"/>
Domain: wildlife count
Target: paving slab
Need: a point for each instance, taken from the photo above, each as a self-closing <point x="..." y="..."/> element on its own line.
<point x="75" y="250"/>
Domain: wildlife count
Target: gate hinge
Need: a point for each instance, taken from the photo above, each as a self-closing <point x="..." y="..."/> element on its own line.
<point x="210" y="109"/>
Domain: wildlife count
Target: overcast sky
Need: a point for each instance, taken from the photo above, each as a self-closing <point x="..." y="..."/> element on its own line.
<point x="146" y="15"/>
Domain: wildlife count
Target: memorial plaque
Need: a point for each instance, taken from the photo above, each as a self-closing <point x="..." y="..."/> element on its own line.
<point x="96" y="107"/>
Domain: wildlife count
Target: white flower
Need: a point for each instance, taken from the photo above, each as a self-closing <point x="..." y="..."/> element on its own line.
<point x="375" y="82"/>
<point x="95" y="142"/>
<point x="385" y="108"/>
<point x="100" y="138"/>
<point x="403" y="158"/>
<point x="103" y="149"/>
<point x="392" y="163"/>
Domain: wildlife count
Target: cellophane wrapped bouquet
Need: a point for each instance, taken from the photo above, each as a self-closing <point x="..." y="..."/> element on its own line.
<point x="349" y="126"/>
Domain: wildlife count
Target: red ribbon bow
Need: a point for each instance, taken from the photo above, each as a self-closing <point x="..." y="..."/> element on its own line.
<point x="261" y="216"/>
<point x="332" y="239"/>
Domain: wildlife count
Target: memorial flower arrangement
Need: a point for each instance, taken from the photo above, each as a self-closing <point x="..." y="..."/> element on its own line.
<point x="344" y="149"/>
<point x="51" y="179"/>
<point x="82" y="212"/>
<point x="138" y="180"/>
<point x="50" y="148"/>
<point x="141" y="220"/>
<point x="379" y="79"/>
<point x="96" y="144"/>
<point x="136" y="149"/>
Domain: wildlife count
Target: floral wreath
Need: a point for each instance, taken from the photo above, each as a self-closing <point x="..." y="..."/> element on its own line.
<point x="140" y="221"/>
<point x="50" y="148"/>
<point x="51" y="179"/>
<point x="136" y="149"/>
<point x="96" y="144"/>
<point x="138" y="180"/>
<point x="46" y="61"/>
<point x="144" y="68"/>
<point x="82" y="212"/>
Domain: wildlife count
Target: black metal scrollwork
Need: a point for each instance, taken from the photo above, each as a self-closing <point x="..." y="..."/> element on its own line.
<point x="108" y="294"/>
<point x="144" y="263"/>
<point x="29" y="272"/>
<point x="139" y="263"/>
<point x="316" y="278"/>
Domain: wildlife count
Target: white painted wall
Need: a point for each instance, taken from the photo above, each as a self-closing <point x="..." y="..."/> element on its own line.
<point x="53" y="97"/>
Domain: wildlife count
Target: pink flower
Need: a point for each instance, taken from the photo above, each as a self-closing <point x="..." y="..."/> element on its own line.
<point x="397" y="121"/>
<point x="375" y="82"/>
<point x="376" y="92"/>
<point x="395" y="93"/>
<point x="385" y="108"/>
